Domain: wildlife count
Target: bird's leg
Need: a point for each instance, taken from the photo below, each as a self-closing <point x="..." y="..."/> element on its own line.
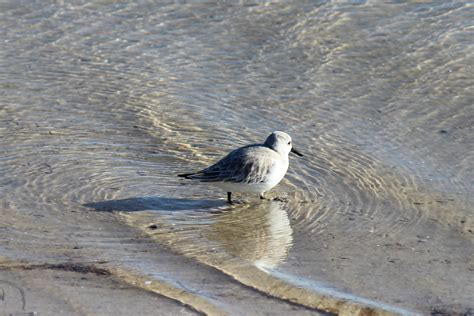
<point x="229" y="197"/>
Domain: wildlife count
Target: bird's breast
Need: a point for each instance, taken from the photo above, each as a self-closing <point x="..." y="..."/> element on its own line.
<point x="277" y="172"/>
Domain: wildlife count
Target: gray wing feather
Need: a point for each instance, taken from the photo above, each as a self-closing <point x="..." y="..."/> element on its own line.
<point x="243" y="165"/>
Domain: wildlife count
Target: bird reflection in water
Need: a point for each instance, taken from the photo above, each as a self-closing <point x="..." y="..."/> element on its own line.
<point x="259" y="233"/>
<point x="256" y="233"/>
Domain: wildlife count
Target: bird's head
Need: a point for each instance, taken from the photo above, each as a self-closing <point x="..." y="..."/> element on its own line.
<point x="281" y="143"/>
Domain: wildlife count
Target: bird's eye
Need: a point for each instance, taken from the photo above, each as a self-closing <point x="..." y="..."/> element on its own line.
<point x="289" y="143"/>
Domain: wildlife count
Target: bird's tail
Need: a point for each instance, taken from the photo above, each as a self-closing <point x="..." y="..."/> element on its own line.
<point x="186" y="175"/>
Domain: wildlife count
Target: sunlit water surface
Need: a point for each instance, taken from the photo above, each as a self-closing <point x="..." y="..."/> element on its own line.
<point x="103" y="104"/>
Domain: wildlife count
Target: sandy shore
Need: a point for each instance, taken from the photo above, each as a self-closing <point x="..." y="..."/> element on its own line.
<point x="74" y="289"/>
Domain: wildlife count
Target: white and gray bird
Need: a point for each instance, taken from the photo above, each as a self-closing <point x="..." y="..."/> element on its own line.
<point x="253" y="168"/>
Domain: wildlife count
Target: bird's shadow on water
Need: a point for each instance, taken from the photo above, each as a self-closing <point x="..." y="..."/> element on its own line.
<point x="154" y="203"/>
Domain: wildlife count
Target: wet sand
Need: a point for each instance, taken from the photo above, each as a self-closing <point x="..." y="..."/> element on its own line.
<point x="103" y="104"/>
<point x="77" y="290"/>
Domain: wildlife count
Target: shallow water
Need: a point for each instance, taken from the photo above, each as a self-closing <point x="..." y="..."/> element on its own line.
<point x="103" y="104"/>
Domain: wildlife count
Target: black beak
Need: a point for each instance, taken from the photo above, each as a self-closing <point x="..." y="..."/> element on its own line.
<point x="296" y="152"/>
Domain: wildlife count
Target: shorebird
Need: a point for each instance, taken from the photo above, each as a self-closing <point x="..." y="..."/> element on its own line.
<point x="254" y="168"/>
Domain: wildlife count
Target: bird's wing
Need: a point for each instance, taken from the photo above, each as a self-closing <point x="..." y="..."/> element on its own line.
<point x="243" y="165"/>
